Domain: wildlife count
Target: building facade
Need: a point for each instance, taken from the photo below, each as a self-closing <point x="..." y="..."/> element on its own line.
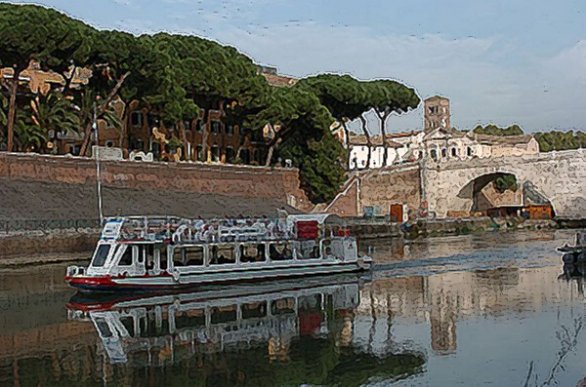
<point x="438" y="141"/>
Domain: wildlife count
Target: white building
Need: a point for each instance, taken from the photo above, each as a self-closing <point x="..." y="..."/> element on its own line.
<point x="397" y="150"/>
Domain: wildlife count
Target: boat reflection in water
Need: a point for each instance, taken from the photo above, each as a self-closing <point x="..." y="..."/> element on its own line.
<point x="575" y="272"/>
<point x="268" y="334"/>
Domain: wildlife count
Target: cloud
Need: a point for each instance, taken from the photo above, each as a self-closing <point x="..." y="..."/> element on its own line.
<point x="475" y="73"/>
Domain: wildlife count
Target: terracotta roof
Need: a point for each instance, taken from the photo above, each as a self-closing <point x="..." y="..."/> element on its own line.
<point x="502" y="140"/>
<point x="360" y="139"/>
<point x="403" y="134"/>
<point x="436" y="97"/>
<point x="450" y="131"/>
<point x="279" y="80"/>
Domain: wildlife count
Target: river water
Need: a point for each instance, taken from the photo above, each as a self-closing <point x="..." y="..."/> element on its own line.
<point x="471" y="310"/>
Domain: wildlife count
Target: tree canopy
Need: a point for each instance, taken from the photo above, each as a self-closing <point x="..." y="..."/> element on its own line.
<point x="172" y="77"/>
<point x="493" y="130"/>
<point x="558" y="140"/>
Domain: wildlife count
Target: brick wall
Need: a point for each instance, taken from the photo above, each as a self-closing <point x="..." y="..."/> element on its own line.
<point x="229" y="180"/>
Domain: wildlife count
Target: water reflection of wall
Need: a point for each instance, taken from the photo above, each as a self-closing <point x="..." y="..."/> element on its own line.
<point x="442" y="300"/>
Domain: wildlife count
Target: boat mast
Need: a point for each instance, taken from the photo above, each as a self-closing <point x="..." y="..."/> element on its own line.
<point x="97" y="156"/>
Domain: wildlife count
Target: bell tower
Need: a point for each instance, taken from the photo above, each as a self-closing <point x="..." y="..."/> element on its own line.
<point x="437" y="113"/>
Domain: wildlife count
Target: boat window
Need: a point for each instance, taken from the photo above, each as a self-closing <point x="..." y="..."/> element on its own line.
<point x="178" y="257"/>
<point x="149" y="252"/>
<point x="283" y="306"/>
<point x="126" y="259"/>
<point x="100" y="255"/>
<point x="190" y="319"/>
<point x="103" y="327"/>
<point x="193" y="255"/>
<point x="308" y="250"/>
<point x="222" y="255"/>
<point x="280" y="251"/>
<point x="327" y="246"/>
<point x="254" y="310"/>
<point x="223" y="314"/>
<point x="252" y="253"/>
<point x="141" y="255"/>
<point x="128" y="323"/>
<point x="163" y="257"/>
<point x="310" y="303"/>
<point x="149" y="327"/>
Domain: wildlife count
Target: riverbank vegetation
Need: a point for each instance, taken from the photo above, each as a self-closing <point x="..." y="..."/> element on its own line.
<point x="176" y="78"/>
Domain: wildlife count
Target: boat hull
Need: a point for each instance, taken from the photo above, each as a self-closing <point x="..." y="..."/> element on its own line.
<point x="182" y="281"/>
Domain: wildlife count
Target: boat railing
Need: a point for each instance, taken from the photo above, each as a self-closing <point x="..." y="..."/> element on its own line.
<point x="182" y="230"/>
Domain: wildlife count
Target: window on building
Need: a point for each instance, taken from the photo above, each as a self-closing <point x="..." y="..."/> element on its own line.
<point x="444" y="153"/>
<point x="199" y="150"/>
<point x="109" y="143"/>
<point x="454" y="152"/>
<point x="136" y="118"/>
<point x="215" y="153"/>
<point x="201" y="125"/>
<point x="230" y="154"/>
<point x="229" y="130"/>
<point x="469" y="151"/>
<point x="433" y="154"/>
<point x="187" y="124"/>
<point x="215" y="129"/>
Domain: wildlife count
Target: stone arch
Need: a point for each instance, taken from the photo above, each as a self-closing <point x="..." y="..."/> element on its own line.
<point x="479" y="199"/>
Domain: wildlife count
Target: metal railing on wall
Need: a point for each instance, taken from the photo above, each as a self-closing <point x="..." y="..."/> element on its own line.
<point x="16" y="225"/>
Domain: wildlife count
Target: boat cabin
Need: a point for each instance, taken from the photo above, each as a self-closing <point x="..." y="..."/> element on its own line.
<point x="155" y="246"/>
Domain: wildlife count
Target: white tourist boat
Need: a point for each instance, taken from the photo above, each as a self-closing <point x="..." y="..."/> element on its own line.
<point x="162" y="253"/>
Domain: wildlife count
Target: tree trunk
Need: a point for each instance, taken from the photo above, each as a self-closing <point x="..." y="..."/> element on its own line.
<point x="12" y="111"/>
<point x="347" y="136"/>
<point x="383" y="130"/>
<point x="368" y="141"/>
<point x="123" y="143"/>
<point x="183" y="135"/>
<point x="274" y="145"/>
<point x="101" y="110"/>
<point x="205" y="135"/>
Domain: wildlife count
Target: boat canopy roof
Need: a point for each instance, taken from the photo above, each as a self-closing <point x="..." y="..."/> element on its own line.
<point x="319" y="218"/>
<point x="182" y="230"/>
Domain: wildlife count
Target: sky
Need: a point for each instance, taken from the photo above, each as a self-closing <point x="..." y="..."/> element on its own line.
<point x="499" y="61"/>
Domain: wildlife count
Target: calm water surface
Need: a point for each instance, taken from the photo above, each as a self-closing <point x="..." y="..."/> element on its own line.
<point x="489" y="309"/>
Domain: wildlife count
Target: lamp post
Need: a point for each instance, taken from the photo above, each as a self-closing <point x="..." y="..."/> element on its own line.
<point x="97" y="156"/>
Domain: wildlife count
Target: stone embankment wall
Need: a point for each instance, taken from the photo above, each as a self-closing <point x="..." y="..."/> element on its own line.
<point x="38" y="243"/>
<point x="378" y="189"/>
<point x="230" y="180"/>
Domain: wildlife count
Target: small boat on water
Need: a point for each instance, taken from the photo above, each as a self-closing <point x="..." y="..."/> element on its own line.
<point x="577" y="253"/>
<point x="164" y="253"/>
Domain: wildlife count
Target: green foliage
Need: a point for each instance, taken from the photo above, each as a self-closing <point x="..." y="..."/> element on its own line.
<point x="493" y="130"/>
<point x="31" y="32"/>
<point x="506" y="182"/>
<point x="53" y="113"/>
<point x="306" y="140"/>
<point x="344" y="97"/>
<point x="320" y="164"/>
<point x="557" y="140"/>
